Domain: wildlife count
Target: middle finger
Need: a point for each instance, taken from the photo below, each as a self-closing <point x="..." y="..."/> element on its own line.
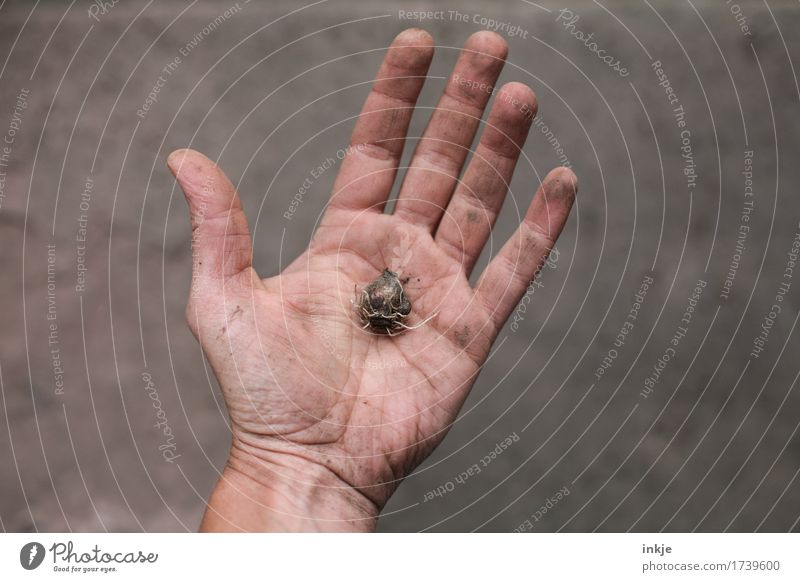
<point x="440" y="154"/>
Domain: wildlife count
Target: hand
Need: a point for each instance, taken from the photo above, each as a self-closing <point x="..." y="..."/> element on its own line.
<point x="328" y="417"/>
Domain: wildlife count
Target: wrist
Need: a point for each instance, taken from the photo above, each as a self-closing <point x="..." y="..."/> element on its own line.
<point x="260" y="491"/>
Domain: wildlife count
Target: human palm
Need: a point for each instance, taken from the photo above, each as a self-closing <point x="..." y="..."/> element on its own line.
<point x="317" y="398"/>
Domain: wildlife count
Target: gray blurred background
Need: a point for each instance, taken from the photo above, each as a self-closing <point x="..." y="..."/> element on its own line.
<point x="270" y="90"/>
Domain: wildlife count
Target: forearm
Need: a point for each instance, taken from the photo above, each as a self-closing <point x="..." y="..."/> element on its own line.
<point x="284" y="493"/>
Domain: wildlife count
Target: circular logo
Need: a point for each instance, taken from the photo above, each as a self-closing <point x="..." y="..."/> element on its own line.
<point x="31" y="555"/>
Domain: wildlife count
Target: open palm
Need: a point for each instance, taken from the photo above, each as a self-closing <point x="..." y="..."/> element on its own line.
<point x="328" y="416"/>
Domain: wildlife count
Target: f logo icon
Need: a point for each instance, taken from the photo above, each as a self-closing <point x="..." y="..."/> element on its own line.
<point x="31" y="555"/>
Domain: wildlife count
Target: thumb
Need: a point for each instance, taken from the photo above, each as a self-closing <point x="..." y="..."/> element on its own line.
<point x="221" y="246"/>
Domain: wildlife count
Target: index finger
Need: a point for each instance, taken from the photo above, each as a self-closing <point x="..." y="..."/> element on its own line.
<point x="367" y="173"/>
